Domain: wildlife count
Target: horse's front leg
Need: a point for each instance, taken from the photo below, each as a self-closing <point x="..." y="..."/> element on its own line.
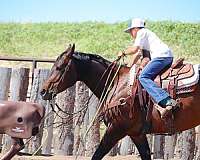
<point x="142" y="146"/>
<point x="18" y="145"/>
<point x="112" y="135"/>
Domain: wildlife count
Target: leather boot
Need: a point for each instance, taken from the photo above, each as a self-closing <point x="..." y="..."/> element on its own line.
<point x="169" y="105"/>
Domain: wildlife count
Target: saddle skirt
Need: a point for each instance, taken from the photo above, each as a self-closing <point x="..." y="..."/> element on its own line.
<point x="184" y="77"/>
<point x="184" y="80"/>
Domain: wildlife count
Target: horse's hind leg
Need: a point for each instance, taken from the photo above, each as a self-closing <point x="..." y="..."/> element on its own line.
<point x="110" y="138"/>
<point x="142" y="146"/>
<point x="18" y="145"/>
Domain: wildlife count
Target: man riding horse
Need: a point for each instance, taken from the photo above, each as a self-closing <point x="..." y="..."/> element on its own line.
<point x="161" y="58"/>
<point x="128" y="117"/>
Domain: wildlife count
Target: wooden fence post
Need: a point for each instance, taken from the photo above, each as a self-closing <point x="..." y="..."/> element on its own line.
<point x="197" y="143"/>
<point x="93" y="138"/>
<point x="188" y="144"/>
<point x="178" y="147"/>
<point x="18" y="92"/>
<point x="170" y="143"/>
<point x="64" y="138"/>
<point x="47" y="130"/>
<point x="126" y="147"/>
<point x="150" y="141"/>
<point x="158" y="151"/>
<point x="19" y="84"/>
<point x="80" y="99"/>
<point x="4" y="89"/>
<point x="4" y="82"/>
<point x="39" y="77"/>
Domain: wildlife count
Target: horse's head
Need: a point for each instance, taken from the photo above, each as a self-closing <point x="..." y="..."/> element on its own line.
<point x="62" y="75"/>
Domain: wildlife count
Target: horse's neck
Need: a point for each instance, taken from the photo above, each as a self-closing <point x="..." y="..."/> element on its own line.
<point x="92" y="77"/>
<point x="91" y="74"/>
<point x="96" y="82"/>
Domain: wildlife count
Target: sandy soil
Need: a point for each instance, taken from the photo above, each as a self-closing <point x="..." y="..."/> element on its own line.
<point x="73" y="158"/>
<point x="132" y="157"/>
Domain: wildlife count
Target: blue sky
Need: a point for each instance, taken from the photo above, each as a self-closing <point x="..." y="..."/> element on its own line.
<point x="109" y="11"/>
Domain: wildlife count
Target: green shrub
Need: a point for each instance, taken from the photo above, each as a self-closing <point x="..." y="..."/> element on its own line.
<point x="50" y="39"/>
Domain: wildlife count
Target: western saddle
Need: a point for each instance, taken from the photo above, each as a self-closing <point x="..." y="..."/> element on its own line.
<point x="170" y="80"/>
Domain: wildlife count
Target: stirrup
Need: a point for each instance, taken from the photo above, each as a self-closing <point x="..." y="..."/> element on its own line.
<point x="164" y="112"/>
<point x="168" y="110"/>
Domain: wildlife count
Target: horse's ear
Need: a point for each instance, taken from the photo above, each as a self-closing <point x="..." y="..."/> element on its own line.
<point x="73" y="48"/>
<point x="68" y="48"/>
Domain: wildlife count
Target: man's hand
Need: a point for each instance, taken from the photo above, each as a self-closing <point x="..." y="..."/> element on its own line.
<point x="121" y="53"/>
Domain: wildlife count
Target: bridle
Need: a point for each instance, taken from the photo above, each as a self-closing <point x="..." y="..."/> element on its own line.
<point x="54" y="88"/>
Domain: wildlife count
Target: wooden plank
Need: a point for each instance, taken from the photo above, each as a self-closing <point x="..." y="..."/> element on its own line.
<point x="64" y="133"/>
<point x="18" y="92"/>
<point x="93" y="138"/>
<point x="158" y="150"/>
<point x="170" y="143"/>
<point x="4" y="82"/>
<point x="4" y="89"/>
<point x="40" y="76"/>
<point x="197" y="143"/>
<point x="80" y="99"/>
<point x="126" y="146"/>
<point x="188" y="144"/>
<point x="19" y="84"/>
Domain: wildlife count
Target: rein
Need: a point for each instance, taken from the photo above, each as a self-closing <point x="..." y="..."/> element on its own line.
<point x="103" y="96"/>
<point x="84" y="109"/>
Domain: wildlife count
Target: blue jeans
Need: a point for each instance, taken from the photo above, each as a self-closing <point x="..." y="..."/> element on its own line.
<point x="149" y="73"/>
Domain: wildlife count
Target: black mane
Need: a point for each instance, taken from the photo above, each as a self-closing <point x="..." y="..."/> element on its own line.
<point x="88" y="57"/>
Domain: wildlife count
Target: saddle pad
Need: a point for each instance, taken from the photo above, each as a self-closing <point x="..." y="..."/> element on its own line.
<point x="182" y="83"/>
<point x="187" y="82"/>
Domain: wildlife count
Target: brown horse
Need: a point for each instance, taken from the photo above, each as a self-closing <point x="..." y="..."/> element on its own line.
<point x="20" y="120"/>
<point x="73" y="66"/>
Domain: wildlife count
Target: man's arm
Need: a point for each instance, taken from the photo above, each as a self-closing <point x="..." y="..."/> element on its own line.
<point x="129" y="51"/>
<point x="132" y="50"/>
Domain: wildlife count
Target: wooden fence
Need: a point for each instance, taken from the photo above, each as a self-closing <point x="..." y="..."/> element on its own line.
<point x="63" y="134"/>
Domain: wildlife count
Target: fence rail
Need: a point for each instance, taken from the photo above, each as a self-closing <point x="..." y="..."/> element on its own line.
<point x="25" y="59"/>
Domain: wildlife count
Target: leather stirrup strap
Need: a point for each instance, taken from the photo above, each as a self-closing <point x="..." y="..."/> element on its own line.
<point x="140" y="94"/>
<point x="133" y="95"/>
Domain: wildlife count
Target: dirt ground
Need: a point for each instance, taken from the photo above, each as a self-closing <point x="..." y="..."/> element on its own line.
<point x="73" y="158"/>
<point x="130" y="157"/>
